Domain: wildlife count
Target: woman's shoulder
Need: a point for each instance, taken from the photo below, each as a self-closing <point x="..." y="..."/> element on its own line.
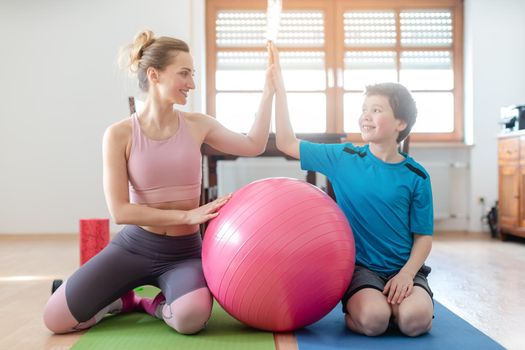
<point x="120" y="129"/>
<point x="195" y="117"/>
<point x="200" y="121"/>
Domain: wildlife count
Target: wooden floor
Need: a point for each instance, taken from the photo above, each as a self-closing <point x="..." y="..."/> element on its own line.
<point x="480" y="279"/>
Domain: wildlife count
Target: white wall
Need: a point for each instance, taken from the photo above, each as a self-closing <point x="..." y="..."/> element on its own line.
<point x="495" y="71"/>
<point x="60" y="88"/>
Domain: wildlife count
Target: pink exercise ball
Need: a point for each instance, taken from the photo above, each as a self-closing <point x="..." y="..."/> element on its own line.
<point x="280" y="254"/>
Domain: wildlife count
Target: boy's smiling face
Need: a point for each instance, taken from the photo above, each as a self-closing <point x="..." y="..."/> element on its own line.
<point x="377" y="121"/>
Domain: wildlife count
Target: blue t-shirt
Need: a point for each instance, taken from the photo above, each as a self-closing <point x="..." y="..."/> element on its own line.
<point x="385" y="203"/>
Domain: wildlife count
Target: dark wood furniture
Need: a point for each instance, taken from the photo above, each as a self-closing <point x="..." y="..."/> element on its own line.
<point x="405" y="145"/>
<point x="511" y="184"/>
<point x="213" y="156"/>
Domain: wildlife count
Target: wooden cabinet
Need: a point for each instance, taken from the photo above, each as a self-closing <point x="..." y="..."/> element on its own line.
<point x="511" y="165"/>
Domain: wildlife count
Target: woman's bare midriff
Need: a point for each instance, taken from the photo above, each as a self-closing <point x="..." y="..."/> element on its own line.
<point x="176" y="230"/>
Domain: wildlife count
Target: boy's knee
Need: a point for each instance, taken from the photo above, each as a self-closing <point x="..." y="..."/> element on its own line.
<point x="414" y="323"/>
<point x="372" y="322"/>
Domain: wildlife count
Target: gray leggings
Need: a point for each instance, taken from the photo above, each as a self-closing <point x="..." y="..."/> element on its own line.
<point x="133" y="258"/>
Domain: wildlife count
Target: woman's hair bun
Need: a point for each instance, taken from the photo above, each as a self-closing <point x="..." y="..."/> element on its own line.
<point x="131" y="54"/>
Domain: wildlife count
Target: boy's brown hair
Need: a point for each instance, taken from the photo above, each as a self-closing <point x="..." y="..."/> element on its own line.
<point x="400" y="100"/>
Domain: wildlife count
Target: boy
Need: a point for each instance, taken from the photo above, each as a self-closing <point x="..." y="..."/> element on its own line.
<point x="387" y="199"/>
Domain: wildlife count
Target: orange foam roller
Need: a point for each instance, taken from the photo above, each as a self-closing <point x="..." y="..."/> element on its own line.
<point x="94" y="236"/>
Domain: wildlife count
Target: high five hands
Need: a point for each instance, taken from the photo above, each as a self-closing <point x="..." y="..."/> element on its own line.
<point x="274" y="68"/>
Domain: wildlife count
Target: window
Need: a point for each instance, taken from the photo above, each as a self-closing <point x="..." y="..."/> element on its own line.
<point x="330" y="50"/>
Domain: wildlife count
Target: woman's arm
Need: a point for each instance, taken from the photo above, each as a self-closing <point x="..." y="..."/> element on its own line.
<point x="285" y="136"/>
<point x="252" y="144"/>
<point x="115" y="178"/>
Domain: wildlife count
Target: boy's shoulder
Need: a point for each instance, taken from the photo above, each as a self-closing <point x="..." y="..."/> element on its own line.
<point x="349" y="147"/>
<point x="319" y="146"/>
<point x="416" y="168"/>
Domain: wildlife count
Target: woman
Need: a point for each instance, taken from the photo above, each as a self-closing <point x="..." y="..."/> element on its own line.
<point x="152" y="182"/>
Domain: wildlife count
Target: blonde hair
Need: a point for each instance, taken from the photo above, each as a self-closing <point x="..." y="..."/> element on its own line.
<point x="149" y="51"/>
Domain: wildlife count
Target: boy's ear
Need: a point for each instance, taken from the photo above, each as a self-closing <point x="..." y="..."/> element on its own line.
<point x="402" y="125"/>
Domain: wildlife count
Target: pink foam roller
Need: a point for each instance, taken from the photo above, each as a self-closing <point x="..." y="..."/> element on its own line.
<point x="280" y="255"/>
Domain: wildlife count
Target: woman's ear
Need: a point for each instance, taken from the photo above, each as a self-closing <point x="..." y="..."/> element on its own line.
<point x="153" y="75"/>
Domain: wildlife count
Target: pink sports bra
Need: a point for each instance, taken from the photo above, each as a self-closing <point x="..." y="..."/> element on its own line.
<point x="164" y="170"/>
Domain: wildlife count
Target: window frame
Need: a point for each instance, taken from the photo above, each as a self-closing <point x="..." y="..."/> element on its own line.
<point x="334" y="50"/>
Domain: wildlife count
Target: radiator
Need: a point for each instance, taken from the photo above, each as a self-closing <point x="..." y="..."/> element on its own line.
<point x="449" y="189"/>
<point x="232" y="175"/>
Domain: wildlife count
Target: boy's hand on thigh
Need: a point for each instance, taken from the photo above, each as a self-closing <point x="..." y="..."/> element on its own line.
<point x="398" y="287"/>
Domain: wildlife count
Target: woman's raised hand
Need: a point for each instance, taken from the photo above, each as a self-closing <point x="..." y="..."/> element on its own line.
<point x="268" y="83"/>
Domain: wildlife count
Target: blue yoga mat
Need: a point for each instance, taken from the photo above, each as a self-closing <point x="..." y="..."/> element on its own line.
<point x="449" y="332"/>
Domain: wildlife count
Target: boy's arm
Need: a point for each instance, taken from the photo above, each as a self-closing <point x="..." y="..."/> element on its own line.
<point x="400" y="286"/>
<point x="285" y="136"/>
<point x="419" y="253"/>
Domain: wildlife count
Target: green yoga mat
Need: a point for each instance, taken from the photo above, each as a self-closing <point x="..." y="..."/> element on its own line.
<point x="140" y="331"/>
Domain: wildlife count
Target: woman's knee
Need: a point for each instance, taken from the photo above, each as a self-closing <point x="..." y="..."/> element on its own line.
<point x="189" y="313"/>
<point x="57" y="316"/>
<point x="187" y="321"/>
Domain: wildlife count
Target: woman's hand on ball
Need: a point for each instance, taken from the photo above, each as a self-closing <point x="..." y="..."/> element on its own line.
<point x="206" y="212"/>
